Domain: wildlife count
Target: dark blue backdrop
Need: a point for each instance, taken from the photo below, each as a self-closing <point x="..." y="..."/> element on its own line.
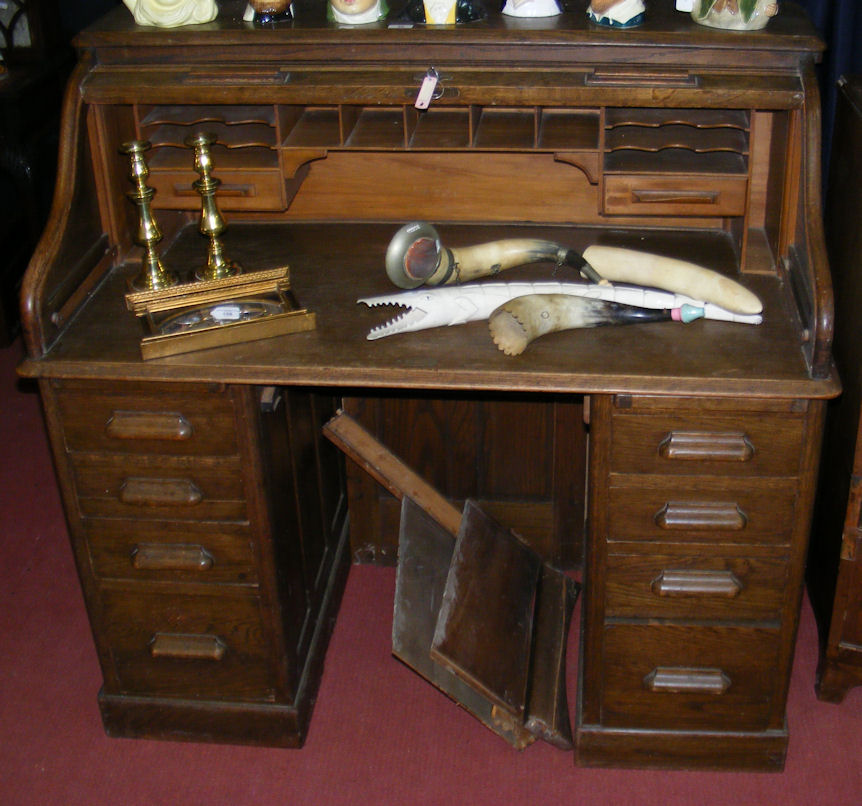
<point x="840" y="24"/>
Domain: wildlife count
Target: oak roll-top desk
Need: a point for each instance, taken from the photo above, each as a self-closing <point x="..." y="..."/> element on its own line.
<point x="209" y="517"/>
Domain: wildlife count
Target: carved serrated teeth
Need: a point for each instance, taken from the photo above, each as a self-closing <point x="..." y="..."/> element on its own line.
<point x="398" y="324"/>
<point x="508" y="331"/>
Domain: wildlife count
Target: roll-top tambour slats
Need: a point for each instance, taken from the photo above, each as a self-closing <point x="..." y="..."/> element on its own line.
<point x="181" y="646"/>
<point x="692" y="582"/>
<point x="148" y="425"/>
<point x="719" y="515"/>
<point x="142" y="491"/>
<point x="729" y="446"/>
<point x="171" y="557"/>
<point x="685" y="679"/>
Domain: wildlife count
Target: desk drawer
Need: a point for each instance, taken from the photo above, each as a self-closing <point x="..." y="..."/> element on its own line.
<point x="160" y="487"/>
<point x="692" y="509"/>
<point x="239" y="190"/>
<point x="673" y="677"/>
<point x="169" y="421"/>
<point x="195" y="646"/>
<point x="713" y="444"/>
<point x="639" y="194"/>
<point x="694" y="585"/>
<point x="171" y="551"/>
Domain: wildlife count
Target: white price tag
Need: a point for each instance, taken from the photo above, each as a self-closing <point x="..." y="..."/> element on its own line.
<point x="426" y="92"/>
<point x="684" y="5"/>
<point x="226" y="313"/>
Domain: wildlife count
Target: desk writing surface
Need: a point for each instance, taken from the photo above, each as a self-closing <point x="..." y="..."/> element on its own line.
<point x="332" y="265"/>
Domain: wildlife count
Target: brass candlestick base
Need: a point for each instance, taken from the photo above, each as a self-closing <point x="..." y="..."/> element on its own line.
<point x="153" y="274"/>
<point x="212" y="224"/>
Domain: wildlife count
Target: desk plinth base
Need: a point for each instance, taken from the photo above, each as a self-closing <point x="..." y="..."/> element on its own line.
<point x="260" y="724"/>
<point x="762" y="751"/>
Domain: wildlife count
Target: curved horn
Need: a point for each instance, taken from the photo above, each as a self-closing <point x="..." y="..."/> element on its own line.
<point x="520" y="321"/>
<point x="680" y="276"/>
<point x="416" y="256"/>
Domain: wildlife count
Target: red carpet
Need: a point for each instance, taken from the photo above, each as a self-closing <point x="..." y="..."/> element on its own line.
<point x="379" y="735"/>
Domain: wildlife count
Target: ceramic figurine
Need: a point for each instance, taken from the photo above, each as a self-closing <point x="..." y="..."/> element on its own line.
<point x="268" y="12"/>
<point x="442" y="12"/>
<point x="532" y="8"/>
<point x="356" y="12"/>
<point x="735" y="15"/>
<point x="172" y="13"/>
<point x="617" y="13"/>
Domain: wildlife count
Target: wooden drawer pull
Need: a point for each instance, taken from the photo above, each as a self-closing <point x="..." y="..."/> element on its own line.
<point x="176" y="557"/>
<point x="160" y="492"/>
<point x="243" y="191"/>
<point x="686" y="680"/>
<point x="686" y="582"/>
<point x="731" y="446"/>
<point x="691" y="515"/>
<point x="187" y="646"/>
<point x="659" y="196"/>
<point x="148" y="425"/>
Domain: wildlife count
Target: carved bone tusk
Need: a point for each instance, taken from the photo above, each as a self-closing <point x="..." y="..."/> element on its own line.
<point x="520" y="321"/>
<point x="440" y="306"/>
<point x="680" y="276"/>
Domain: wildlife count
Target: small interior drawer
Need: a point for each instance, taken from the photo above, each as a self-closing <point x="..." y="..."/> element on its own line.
<point x="243" y="189"/>
<point x="208" y="552"/>
<point x="644" y="194"/>
<point x="693" y="509"/>
<point x="196" y="646"/>
<point x="160" y="487"/>
<point x="679" y="676"/>
<point x="170" y="422"/>
<point x="694" y="585"/>
<point x="713" y="444"/>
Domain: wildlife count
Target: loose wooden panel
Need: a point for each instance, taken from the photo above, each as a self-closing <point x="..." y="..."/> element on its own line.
<point x="548" y="702"/>
<point x="485" y="625"/>
<point x="196" y="646"/>
<point x="425" y="553"/>
<point x="673" y="677"/>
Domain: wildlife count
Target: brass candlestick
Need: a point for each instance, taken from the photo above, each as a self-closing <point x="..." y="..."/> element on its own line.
<point x="153" y="274"/>
<point x="212" y="224"/>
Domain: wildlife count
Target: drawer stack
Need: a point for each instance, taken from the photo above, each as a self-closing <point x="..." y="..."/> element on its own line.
<point x="173" y="533"/>
<point x="693" y="579"/>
